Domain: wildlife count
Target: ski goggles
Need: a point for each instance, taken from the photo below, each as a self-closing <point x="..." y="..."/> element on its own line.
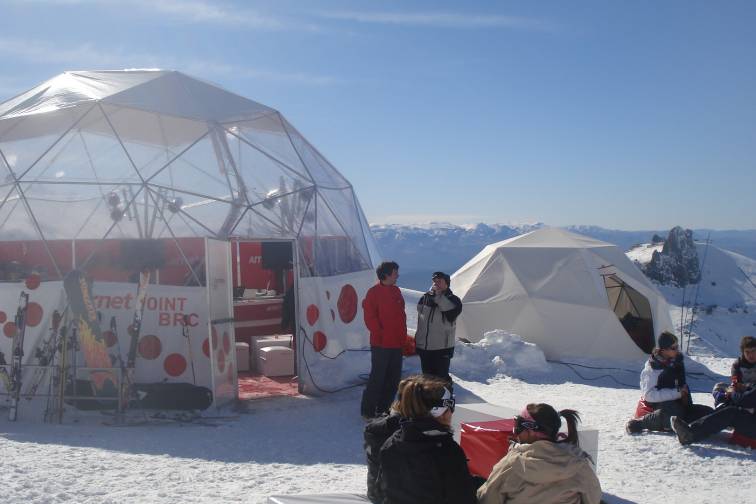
<point x="440" y="406"/>
<point x="522" y="424"/>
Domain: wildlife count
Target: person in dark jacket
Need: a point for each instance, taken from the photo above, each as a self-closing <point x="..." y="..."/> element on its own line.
<point x="437" y="313"/>
<point x="663" y="387"/>
<point x="421" y="463"/>
<point x="385" y="318"/>
<point x="376" y="433"/>
<point x="736" y="403"/>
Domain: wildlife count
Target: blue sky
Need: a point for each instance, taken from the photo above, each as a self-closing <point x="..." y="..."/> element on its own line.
<point x="627" y="115"/>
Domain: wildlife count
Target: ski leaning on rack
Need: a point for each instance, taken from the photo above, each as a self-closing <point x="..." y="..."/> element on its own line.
<point x="17" y="356"/>
<point x="126" y="389"/>
<point x="54" y="409"/>
<point x="90" y="338"/>
<point x="136" y="325"/>
<point x="44" y="354"/>
<point x="185" y="333"/>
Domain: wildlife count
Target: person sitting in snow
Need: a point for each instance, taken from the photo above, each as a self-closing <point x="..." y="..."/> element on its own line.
<point x="377" y="432"/>
<point x="421" y="463"/>
<point x="664" y="389"/>
<point x="543" y="465"/>
<point x="736" y="404"/>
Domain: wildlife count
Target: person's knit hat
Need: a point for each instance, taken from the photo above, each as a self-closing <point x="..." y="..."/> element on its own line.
<point x="441" y="274"/>
<point x="666" y="340"/>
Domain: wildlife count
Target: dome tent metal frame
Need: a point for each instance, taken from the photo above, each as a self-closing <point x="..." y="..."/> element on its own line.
<point x="92" y="160"/>
<point x="145" y="190"/>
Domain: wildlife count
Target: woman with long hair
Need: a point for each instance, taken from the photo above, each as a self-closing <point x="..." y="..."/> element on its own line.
<point x="421" y="463"/>
<point x="542" y="464"/>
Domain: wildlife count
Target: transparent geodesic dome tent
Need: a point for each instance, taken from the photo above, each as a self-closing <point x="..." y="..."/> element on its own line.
<point x="158" y="154"/>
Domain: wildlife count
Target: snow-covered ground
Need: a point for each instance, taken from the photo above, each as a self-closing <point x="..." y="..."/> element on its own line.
<point x="296" y="445"/>
<point x="313" y="445"/>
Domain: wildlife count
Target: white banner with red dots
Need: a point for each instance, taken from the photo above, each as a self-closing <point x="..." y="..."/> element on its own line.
<point x="44" y="299"/>
<point x="164" y="346"/>
<point x="333" y="343"/>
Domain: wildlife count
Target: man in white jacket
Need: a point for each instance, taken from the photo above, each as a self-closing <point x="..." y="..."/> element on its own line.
<point x="664" y="389"/>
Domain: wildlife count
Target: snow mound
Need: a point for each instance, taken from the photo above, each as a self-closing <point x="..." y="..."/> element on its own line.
<point x="499" y="352"/>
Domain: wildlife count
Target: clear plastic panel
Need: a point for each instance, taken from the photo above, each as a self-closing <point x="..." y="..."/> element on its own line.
<point x="335" y="252"/>
<point x="375" y="254"/>
<point x="21" y="248"/>
<point x="172" y="219"/>
<point x="286" y="213"/>
<point x="343" y="206"/>
<point x="152" y="140"/>
<point x="264" y="176"/>
<point x="321" y="171"/>
<point x="208" y="216"/>
<point x="176" y="94"/>
<point x="91" y="210"/>
<point x="25" y="140"/>
<point x="279" y="217"/>
<point x="267" y="134"/>
<point x="84" y="156"/>
<point x="307" y="238"/>
<point x="202" y="170"/>
<point x="15" y="223"/>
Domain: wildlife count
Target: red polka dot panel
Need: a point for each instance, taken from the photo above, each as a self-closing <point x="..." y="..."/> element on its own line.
<point x="319" y="341"/>
<point x="174" y="364"/>
<point x="150" y="347"/>
<point x="10" y="329"/>
<point x="206" y="348"/>
<point x="312" y="314"/>
<point x="3" y="317"/>
<point x="347" y="304"/>
<point x="34" y="314"/>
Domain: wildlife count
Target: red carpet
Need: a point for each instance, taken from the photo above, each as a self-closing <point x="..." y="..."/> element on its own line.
<point x="254" y="386"/>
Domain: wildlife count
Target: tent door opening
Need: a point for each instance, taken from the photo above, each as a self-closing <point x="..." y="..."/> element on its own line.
<point x="264" y="294"/>
<point x="633" y="311"/>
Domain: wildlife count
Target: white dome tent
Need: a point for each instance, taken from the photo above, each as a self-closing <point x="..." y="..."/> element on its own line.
<point x="94" y="163"/>
<point x="569" y="294"/>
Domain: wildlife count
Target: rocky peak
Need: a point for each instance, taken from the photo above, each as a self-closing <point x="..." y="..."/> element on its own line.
<point x="677" y="263"/>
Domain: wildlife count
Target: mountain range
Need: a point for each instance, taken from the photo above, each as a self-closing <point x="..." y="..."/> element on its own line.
<point x="422" y="249"/>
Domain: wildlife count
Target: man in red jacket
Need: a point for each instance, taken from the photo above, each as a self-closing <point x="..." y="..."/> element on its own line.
<point x="386" y="320"/>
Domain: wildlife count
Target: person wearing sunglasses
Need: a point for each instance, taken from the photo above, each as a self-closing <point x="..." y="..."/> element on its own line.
<point x="542" y="464"/>
<point x="664" y="389"/>
<point x="421" y="463"/>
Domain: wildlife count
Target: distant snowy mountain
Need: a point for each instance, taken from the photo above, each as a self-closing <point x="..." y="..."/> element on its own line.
<point x="721" y="307"/>
<point x="423" y="248"/>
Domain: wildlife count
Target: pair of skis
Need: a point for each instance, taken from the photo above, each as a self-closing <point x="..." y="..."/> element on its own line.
<point x="134" y="330"/>
<point x="85" y="318"/>
<point x="45" y="354"/>
<point x="17" y="356"/>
